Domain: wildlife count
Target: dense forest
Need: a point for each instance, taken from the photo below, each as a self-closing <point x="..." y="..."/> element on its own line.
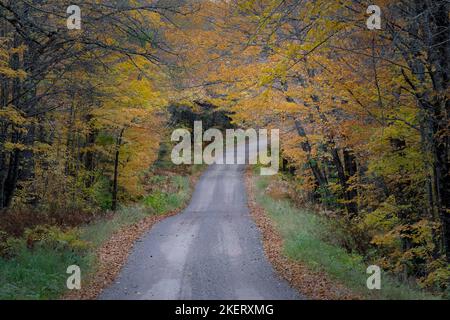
<point x="363" y="113"/>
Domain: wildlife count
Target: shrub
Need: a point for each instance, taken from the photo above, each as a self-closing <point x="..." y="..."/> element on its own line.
<point x="101" y="193"/>
<point x="54" y="238"/>
<point x="8" y="246"/>
<point x="39" y="273"/>
<point x="15" y="221"/>
<point x="157" y="201"/>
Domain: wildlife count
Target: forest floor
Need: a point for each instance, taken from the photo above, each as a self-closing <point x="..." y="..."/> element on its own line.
<point x="303" y="247"/>
<point x="99" y="247"/>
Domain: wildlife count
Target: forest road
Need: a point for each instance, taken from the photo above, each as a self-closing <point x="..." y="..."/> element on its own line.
<point x="212" y="250"/>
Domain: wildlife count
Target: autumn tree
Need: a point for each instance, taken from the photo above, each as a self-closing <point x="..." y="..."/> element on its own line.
<point x="363" y="113"/>
<point x="49" y="93"/>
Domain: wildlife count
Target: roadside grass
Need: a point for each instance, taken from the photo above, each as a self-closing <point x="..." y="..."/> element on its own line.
<point x="163" y="201"/>
<point x="158" y="202"/>
<point x="37" y="274"/>
<point x="40" y="273"/>
<point x="303" y="233"/>
<point x="98" y="232"/>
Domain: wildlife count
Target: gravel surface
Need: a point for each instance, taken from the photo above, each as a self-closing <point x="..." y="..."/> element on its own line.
<point x="212" y="250"/>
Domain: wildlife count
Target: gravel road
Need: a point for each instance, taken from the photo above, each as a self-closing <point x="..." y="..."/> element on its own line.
<point x="212" y="250"/>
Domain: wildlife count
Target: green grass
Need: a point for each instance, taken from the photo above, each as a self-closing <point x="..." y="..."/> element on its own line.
<point x="100" y="231"/>
<point x="161" y="201"/>
<point x="38" y="274"/>
<point x="41" y="273"/>
<point x="304" y="232"/>
<point x="155" y="203"/>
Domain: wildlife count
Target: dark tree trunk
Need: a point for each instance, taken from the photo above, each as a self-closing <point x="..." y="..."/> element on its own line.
<point x="11" y="179"/>
<point x="427" y="52"/>
<point x="350" y="170"/>
<point x="13" y="165"/>
<point x="440" y="73"/>
<point x="116" y="171"/>
<point x="321" y="180"/>
<point x="89" y="156"/>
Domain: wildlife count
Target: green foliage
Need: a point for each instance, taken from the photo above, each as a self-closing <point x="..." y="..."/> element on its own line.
<point x="439" y="278"/>
<point x="39" y="273"/>
<point x="307" y="238"/>
<point x="8" y="246"/>
<point x="34" y="266"/>
<point x="35" y="252"/>
<point x="104" y="139"/>
<point x="326" y="197"/>
<point x="101" y="193"/>
<point x="54" y="238"/>
<point x="98" y="232"/>
<point x="163" y="201"/>
<point x="157" y="201"/>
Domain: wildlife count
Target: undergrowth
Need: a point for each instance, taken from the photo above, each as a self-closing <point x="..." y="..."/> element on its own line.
<point x="306" y="234"/>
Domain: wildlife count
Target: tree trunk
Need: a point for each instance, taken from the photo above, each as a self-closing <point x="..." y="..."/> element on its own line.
<point x="438" y="59"/>
<point x="116" y="171"/>
<point x="321" y="180"/>
<point x="350" y="170"/>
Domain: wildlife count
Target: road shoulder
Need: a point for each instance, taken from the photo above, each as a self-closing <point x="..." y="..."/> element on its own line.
<point x="313" y="285"/>
<point x="112" y="255"/>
